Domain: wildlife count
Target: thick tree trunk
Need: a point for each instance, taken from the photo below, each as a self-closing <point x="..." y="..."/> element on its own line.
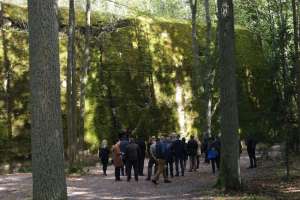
<point x="115" y="125"/>
<point x="196" y="77"/>
<point x="83" y="75"/>
<point x="230" y="166"/>
<point x="6" y="64"/>
<point x="295" y="4"/>
<point x="46" y="124"/>
<point x="71" y="88"/>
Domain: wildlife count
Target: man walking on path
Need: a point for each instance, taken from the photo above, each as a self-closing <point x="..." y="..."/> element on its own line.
<point x="251" y="148"/>
<point x="179" y="155"/>
<point x="169" y="157"/>
<point x="214" y="152"/>
<point x="161" y="161"/>
<point x="123" y="144"/>
<point x="192" y="147"/>
<point x="151" y="153"/>
<point x="132" y="153"/>
<point x="141" y="159"/>
<point x="185" y="153"/>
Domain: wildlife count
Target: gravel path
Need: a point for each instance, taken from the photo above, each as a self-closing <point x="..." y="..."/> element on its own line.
<point x="96" y="186"/>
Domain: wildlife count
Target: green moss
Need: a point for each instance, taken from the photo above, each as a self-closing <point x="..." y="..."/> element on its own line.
<point x="156" y="45"/>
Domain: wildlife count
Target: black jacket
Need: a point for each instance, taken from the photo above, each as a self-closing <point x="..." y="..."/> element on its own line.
<point x="132" y="152"/>
<point x="104" y="154"/>
<point x="179" y="150"/>
<point x="142" y="147"/>
<point x="192" y="147"/>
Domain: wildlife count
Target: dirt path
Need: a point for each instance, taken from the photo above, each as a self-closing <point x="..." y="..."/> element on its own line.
<point x="96" y="186"/>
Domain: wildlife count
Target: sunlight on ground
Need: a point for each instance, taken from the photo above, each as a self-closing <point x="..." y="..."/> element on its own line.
<point x="292" y="190"/>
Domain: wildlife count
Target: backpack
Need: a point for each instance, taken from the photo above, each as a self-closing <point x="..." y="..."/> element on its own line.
<point x="212" y="154"/>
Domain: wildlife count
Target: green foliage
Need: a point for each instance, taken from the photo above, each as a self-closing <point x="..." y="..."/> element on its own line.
<point x="142" y="73"/>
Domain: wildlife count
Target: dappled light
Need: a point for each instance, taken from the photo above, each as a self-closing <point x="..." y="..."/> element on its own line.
<point x="149" y="99"/>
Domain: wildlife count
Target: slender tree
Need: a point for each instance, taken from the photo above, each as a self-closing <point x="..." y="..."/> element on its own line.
<point x="295" y="5"/>
<point x="195" y="46"/>
<point x="230" y="166"/>
<point x="83" y="74"/>
<point x="208" y="71"/>
<point x="71" y="88"/>
<point x="46" y="124"/>
<point x="7" y="67"/>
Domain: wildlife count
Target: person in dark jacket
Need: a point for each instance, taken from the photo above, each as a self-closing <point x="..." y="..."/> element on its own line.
<point x="179" y="151"/>
<point x="185" y="153"/>
<point x="104" y="156"/>
<point x="204" y="148"/>
<point x="160" y="157"/>
<point x="169" y="157"/>
<point x="251" y="148"/>
<point x="192" y="147"/>
<point x="141" y="159"/>
<point x="151" y="162"/>
<point x="132" y="153"/>
<point x="124" y="141"/>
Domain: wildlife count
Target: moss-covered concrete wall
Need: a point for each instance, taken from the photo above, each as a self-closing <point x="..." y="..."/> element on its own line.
<point x="143" y="71"/>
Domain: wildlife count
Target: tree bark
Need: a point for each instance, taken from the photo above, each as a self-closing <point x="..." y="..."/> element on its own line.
<point x="71" y="88"/>
<point x="209" y="78"/>
<point x="295" y="4"/>
<point x="195" y="47"/>
<point x="46" y="124"/>
<point x="230" y="166"/>
<point x="196" y="77"/>
<point x="83" y="75"/>
<point x="7" y="67"/>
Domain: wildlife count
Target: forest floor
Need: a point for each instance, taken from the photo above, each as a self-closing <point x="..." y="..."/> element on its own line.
<point x="264" y="182"/>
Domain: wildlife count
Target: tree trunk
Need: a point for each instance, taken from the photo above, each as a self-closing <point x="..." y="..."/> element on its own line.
<point x="209" y="78"/>
<point x="196" y="82"/>
<point x="46" y="124"/>
<point x="195" y="47"/>
<point x="296" y="56"/>
<point x="83" y="75"/>
<point x="230" y="166"/>
<point x="112" y="106"/>
<point x="71" y="87"/>
<point x="6" y="64"/>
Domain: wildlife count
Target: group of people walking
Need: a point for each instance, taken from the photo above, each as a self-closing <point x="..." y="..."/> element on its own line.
<point x="163" y="153"/>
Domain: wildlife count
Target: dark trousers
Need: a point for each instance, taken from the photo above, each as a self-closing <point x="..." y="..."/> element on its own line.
<point x="192" y="162"/>
<point x="206" y="160"/>
<point x="198" y="161"/>
<point x="215" y="162"/>
<point x="181" y="162"/>
<point x="150" y="166"/>
<point x="141" y="166"/>
<point x="117" y="172"/>
<point x="169" y="166"/>
<point x="252" y="159"/>
<point x="104" y="166"/>
<point x="123" y="168"/>
<point x="129" y="165"/>
<point x="184" y="162"/>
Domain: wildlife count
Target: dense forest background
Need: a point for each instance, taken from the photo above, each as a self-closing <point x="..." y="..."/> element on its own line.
<point x="141" y="69"/>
